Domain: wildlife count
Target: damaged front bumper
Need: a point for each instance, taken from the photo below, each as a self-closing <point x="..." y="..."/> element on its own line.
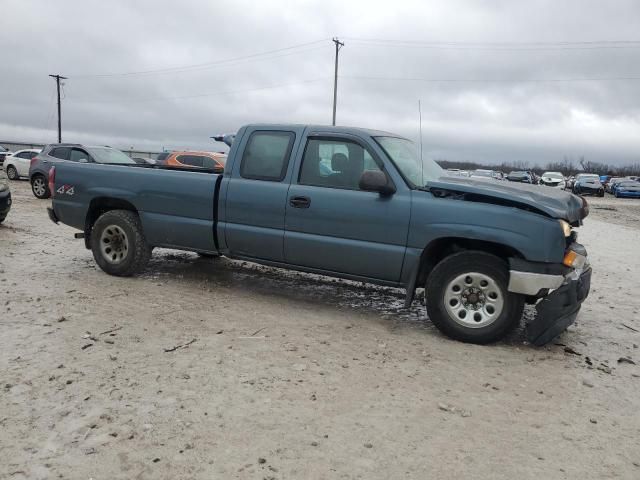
<point x="559" y="290"/>
<point x="559" y="309"/>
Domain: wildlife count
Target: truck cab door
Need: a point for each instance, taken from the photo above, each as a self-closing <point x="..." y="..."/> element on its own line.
<point x="333" y="225"/>
<point x="256" y="193"/>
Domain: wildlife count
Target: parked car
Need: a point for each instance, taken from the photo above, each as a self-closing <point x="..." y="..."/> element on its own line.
<point x="553" y="179"/>
<point x="497" y="175"/>
<point x="612" y="182"/>
<point x="627" y="189"/>
<point x="588" y="184"/>
<point x="569" y="181"/>
<point x="195" y="159"/>
<point x="481" y="249"/>
<point x="5" y="196"/>
<point x="17" y="164"/>
<point x="520" y="176"/>
<point x="482" y="173"/>
<point x="57" y="153"/>
<point x="3" y="154"/>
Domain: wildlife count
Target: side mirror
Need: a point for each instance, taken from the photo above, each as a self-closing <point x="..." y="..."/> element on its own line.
<point x="376" y="181"/>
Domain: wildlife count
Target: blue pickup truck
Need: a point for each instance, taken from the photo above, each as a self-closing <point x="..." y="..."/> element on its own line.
<point x="352" y="203"/>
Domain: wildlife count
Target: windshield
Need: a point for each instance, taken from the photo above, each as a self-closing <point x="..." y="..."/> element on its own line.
<point x="109" y="155"/>
<point x="404" y="154"/>
<point x="553" y="175"/>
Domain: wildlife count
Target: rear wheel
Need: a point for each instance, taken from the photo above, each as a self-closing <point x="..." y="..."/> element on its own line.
<point x="12" y="173"/>
<point x="118" y="243"/>
<point x="468" y="300"/>
<point x="39" y="186"/>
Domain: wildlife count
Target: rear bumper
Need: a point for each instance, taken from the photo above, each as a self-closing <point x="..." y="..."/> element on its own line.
<point x="558" y="310"/>
<point x="5" y="203"/>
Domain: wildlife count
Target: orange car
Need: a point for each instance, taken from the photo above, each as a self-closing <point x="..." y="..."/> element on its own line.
<point x="209" y="160"/>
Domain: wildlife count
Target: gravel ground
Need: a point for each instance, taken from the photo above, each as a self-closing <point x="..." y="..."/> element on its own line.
<point x="280" y="375"/>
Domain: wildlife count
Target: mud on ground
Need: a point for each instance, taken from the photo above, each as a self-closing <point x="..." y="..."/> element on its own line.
<point x="222" y="369"/>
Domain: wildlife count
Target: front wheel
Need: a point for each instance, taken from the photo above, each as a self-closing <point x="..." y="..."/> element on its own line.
<point x="468" y="300"/>
<point x="39" y="187"/>
<point x="118" y="243"/>
<point x="12" y="173"/>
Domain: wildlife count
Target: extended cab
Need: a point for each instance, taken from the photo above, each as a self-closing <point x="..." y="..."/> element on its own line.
<point x="353" y="203"/>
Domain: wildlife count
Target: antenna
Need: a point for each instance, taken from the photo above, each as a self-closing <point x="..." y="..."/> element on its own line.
<point x="420" y="128"/>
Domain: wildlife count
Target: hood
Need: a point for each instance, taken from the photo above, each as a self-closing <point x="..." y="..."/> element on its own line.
<point x="552" y="179"/>
<point x="554" y="203"/>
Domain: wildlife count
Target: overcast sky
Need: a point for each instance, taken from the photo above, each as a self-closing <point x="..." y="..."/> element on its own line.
<point x="498" y="80"/>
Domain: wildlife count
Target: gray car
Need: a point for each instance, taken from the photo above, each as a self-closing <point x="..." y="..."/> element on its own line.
<point x="55" y="153"/>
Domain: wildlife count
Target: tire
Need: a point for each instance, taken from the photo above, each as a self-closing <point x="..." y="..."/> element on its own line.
<point x="498" y="315"/>
<point x="12" y="173"/>
<point x="616" y="195"/>
<point x="39" y="187"/>
<point x="2" y="219"/>
<point x="601" y="194"/>
<point x="118" y="243"/>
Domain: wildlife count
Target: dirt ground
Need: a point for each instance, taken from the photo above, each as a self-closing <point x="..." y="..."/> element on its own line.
<point x="293" y="376"/>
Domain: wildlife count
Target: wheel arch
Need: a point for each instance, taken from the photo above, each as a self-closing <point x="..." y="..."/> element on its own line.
<point x="439" y="248"/>
<point x="99" y="206"/>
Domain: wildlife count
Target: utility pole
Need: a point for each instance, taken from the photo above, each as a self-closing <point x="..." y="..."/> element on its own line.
<point x="339" y="44"/>
<point x="58" y="78"/>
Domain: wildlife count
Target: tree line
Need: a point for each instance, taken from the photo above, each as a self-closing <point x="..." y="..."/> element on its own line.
<point x="567" y="166"/>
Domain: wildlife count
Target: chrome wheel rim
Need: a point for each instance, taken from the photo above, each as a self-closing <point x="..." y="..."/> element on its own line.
<point x="39" y="187"/>
<point x="473" y="300"/>
<point x="12" y="173"/>
<point x="114" y="244"/>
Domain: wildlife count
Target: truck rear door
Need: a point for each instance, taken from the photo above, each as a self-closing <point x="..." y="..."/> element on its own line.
<point x="333" y="225"/>
<point x="254" y="204"/>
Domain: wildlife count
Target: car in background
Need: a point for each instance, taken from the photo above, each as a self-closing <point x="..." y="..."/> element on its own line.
<point x="162" y="156"/>
<point x="482" y="173"/>
<point x="5" y="196"/>
<point x="68" y="152"/>
<point x="627" y="189"/>
<point x="498" y="175"/>
<point x="3" y="154"/>
<point x="520" y="176"/>
<point x="553" y="179"/>
<point x="610" y="185"/>
<point x="17" y="164"/>
<point x="569" y="181"/>
<point x="195" y="159"/>
<point x="588" y="184"/>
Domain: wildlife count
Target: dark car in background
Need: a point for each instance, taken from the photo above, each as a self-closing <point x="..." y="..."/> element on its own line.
<point x="588" y="184"/>
<point x="55" y="153"/>
<point x="5" y="196"/>
<point x="521" y="177"/>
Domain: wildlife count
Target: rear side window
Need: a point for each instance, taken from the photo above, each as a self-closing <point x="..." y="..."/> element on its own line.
<point x="77" y="155"/>
<point x="266" y="155"/>
<point x="191" y="160"/>
<point x="61" y="153"/>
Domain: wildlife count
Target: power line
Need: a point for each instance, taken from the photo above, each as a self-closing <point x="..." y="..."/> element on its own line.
<point x="200" y="66"/>
<point x="58" y="78"/>
<point x="577" y="45"/>
<point x="490" y="80"/>
<point x="211" y="94"/>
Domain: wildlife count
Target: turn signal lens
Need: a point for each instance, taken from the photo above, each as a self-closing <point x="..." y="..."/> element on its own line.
<point x="574" y="260"/>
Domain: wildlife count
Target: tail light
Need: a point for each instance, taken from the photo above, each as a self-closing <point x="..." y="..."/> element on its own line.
<point x="52" y="180"/>
<point x="33" y="160"/>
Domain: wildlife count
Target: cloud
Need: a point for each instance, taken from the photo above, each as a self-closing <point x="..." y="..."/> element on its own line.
<point x="534" y="95"/>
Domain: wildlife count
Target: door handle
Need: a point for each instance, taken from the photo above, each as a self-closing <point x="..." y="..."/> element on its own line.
<point x="300" y="202"/>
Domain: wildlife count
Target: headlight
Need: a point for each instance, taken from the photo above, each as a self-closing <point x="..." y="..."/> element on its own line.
<point x="566" y="227"/>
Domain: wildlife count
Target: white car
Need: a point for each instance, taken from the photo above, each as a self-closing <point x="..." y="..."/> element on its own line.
<point x="17" y="164"/>
<point x="553" y="179"/>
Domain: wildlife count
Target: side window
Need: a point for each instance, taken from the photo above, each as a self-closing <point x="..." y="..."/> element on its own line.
<point x="78" y="155"/>
<point x="335" y="163"/>
<point x="209" y="163"/>
<point x="191" y="160"/>
<point x="26" y="155"/>
<point x="266" y="155"/>
<point x="61" y="152"/>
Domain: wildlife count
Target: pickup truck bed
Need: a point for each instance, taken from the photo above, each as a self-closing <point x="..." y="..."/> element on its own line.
<point x="352" y="203"/>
